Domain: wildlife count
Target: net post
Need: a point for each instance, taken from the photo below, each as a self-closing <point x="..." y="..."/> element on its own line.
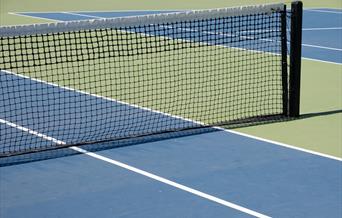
<point x="295" y="58"/>
<point x="284" y="66"/>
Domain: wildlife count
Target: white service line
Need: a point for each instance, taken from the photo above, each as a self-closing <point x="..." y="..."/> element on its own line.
<point x="324" y="11"/>
<point x="322" y="28"/>
<point x="321" y="47"/>
<point x="304" y="29"/>
<point x="83" y="15"/>
<point x="32" y="132"/>
<point x="173" y="184"/>
<point x="285" y="145"/>
<point x="141" y="172"/>
<point x="318" y="60"/>
<point x="35" y="17"/>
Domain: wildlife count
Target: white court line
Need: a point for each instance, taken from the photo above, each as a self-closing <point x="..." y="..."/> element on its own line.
<point x="318" y="60"/>
<point x="177" y="117"/>
<point x="174" y="184"/>
<point x="324" y="11"/>
<point x="141" y="172"/>
<point x="322" y="28"/>
<point x="285" y="145"/>
<point x="304" y="29"/>
<point x="321" y="47"/>
<point x="320" y="8"/>
<point x="30" y="16"/>
<point x="82" y="15"/>
<point x="54" y="20"/>
<point x="24" y="129"/>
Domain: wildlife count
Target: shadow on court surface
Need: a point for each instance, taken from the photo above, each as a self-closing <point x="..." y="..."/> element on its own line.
<point x="57" y="152"/>
<point x="319" y="114"/>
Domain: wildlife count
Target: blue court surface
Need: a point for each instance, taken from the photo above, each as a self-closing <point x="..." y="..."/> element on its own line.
<point x="219" y="173"/>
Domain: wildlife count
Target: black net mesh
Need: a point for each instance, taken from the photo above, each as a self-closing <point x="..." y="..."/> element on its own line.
<point x="76" y="87"/>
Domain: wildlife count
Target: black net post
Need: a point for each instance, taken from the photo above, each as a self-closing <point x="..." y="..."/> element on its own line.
<point x="295" y="57"/>
<point x="284" y="66"/>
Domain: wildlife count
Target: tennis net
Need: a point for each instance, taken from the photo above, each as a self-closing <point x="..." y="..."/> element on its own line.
<point x="81" y="82"/>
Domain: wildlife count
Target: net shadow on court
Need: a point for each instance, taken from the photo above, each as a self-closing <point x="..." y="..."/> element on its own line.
<point x="58" y="152"/>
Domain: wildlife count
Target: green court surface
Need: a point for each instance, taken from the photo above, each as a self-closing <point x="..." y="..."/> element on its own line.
<point x="320" y="126"/>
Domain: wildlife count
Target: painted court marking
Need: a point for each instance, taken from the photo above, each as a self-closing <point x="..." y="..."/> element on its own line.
<point x="322" y="28"/>
<point x="83" y="15"/>
<point x="29" y="16"/>
<point x="141" y="172"/>
<point x="322" y="47"/>
<point x="324" y="11"/>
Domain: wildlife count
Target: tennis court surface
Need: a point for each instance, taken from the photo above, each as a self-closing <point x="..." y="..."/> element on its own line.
<point x="132" y="116"/>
